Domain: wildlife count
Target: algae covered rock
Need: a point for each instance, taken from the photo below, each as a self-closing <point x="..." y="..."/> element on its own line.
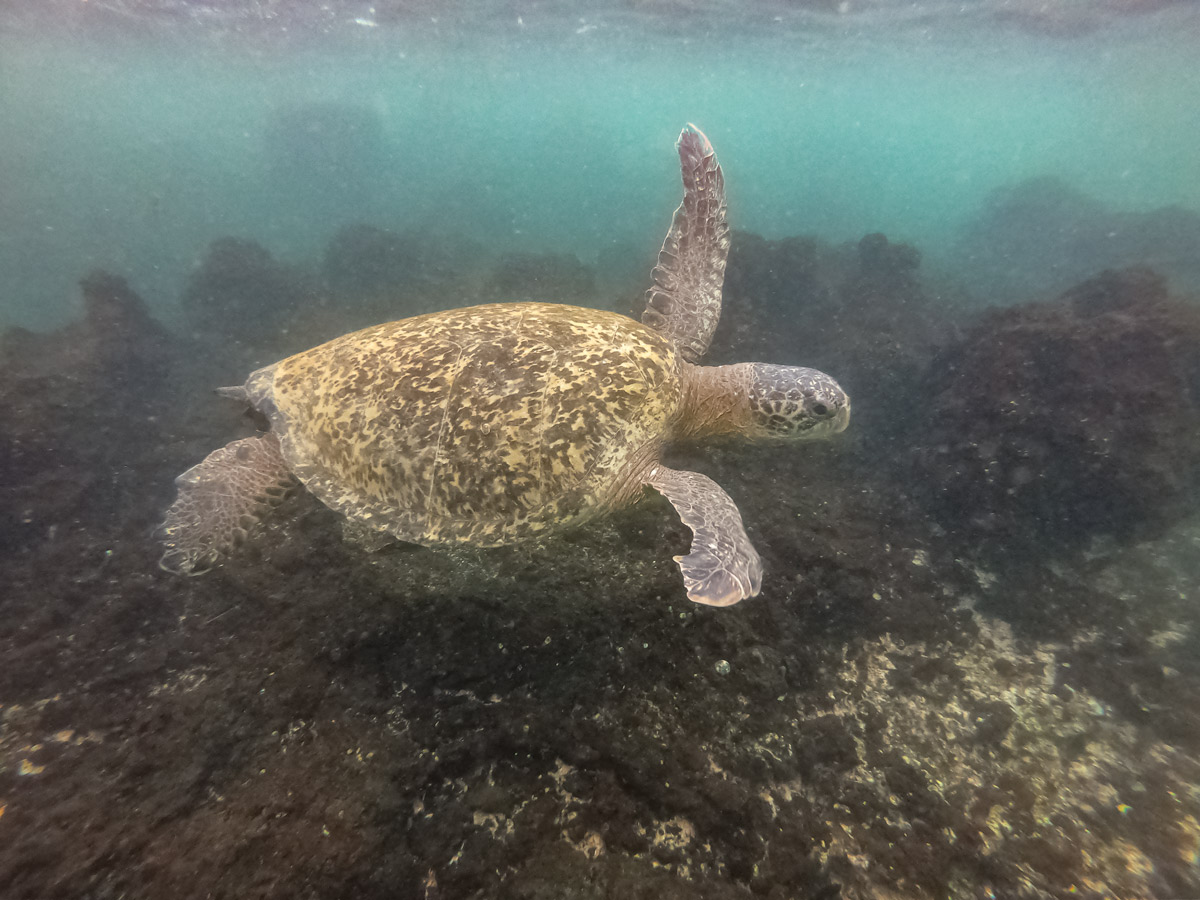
<point x="363" y="260"/>
<point x="373" y="273"/>
<point x="241" y="293"/>
<point x="860" y="308"/>
<point x="74" y="409"/>
<point x="1054" y="423"/>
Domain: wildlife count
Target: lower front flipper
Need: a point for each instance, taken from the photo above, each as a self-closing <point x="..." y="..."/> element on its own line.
<point x="723" y="567"/>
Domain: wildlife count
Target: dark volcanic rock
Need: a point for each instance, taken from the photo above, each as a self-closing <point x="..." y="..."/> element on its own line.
<point x="1040" y="236"/>
<point x="857" y="311"/>
<point x="241" y="296"/>
<point x="376" y="275"/>
<point x="555" y="719"/>
<point x="362" y="260"/>
<point x="72" y="403"/>
<point x="1052" y="424"/>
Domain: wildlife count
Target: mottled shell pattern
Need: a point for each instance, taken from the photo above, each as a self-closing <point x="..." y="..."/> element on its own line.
<point x="482" y="425"/>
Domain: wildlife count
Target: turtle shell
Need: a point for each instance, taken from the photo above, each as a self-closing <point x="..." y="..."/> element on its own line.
<point x="484" y="425"/>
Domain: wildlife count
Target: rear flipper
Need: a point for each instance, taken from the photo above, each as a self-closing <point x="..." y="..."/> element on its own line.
<point x="220" y="500"/>
<point x="723" y="566"/>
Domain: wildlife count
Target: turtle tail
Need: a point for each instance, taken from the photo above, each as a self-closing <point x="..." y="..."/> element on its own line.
<point x="235" y="392"/>
<point x="220" y="500"/>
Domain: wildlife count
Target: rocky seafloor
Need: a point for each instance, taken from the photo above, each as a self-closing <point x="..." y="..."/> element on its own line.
<point x="973" y="671"/>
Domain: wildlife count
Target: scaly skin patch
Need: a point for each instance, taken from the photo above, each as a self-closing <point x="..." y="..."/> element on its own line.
<point x="684" y="302"/>
<point x="219" y="502"/>
<point x="483" y="425"/>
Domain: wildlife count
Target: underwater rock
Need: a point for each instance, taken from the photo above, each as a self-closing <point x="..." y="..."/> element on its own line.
<point x="239" y="294"/>
<point x="886" y="261"/>
<point x="363" y="260"/>
<point x="1051" y="424"/>
<point x="72" y="405"/>
<point x="548" y="720"/>
<point x="545" y="277"/>
<point x="1040" y="236"/>
<point x="390" y="275"/>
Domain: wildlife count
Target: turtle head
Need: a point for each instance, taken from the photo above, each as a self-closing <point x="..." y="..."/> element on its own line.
<point x="793" y="403"/>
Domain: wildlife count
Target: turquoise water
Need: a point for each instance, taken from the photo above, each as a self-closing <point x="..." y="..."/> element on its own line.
<point x="133" y="151"/>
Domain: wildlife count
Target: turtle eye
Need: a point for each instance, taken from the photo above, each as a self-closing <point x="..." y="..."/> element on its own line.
<point x="820" y="409"/>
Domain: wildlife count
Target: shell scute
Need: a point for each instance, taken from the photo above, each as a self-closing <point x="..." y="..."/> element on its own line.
<point x="483" y="424"/>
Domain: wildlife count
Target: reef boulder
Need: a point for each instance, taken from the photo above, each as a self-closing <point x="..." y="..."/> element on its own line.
<point x="76" y="406"/>
<point x="1052" y="424"/>
<point x="858" y="310"/>
<point x="240" y="295"/>
<point x="1040" y="236"/>
<point x="376" y="275"/>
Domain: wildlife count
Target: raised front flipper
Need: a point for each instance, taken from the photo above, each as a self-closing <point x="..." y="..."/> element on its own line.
<point x="723" y="566"/>
<point x="684" y="303"/>
<point x="220" y="500"/>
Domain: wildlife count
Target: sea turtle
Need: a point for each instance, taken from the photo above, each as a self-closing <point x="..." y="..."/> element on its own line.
<point x="491" y="424"/>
